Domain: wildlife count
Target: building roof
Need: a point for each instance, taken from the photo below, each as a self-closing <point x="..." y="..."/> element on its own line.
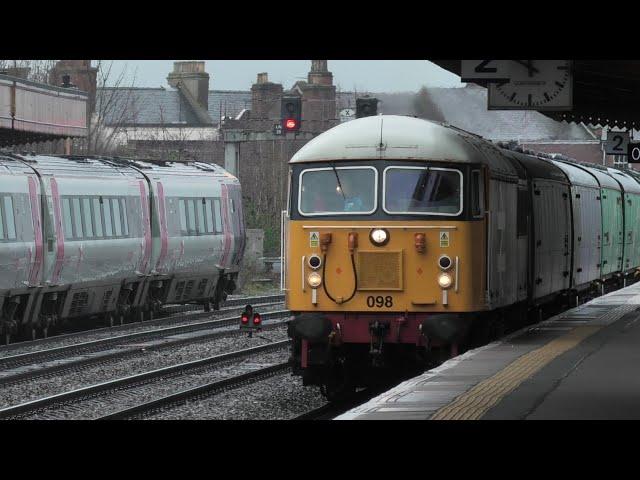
<point x="466" y="108"/>
<point x="164" y="106"/>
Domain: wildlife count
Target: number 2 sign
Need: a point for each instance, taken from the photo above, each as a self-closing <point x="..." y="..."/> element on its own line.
<point x="617" y="143"/>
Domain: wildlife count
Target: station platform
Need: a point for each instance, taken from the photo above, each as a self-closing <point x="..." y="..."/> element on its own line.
<point x="581" y="364"/>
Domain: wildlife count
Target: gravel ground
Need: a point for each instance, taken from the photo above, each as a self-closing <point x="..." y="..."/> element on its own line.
<point x="281" y="397"/>
<point x="142" y="362"/>
<point x="75" y="338"/>
<point x="110" y="403"/>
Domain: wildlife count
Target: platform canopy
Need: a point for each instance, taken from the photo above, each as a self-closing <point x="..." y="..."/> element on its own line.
<point x="605" y="92"/>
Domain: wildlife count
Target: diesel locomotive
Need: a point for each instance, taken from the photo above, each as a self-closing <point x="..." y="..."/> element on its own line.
<point x="84" y="237"/>
<point x="405" y="240"/>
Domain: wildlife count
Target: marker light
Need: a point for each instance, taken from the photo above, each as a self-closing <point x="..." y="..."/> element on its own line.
<point x="444" y="280"/>
<point x="314" y="279"/>
<point x="445" y="262"/>
<point x="379" y="236"/>
<point x="315" y="262"/>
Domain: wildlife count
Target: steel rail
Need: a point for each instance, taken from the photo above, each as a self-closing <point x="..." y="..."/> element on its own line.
<point x="100" y="389"/>
<point x="173" y="313"/>
<point x="196" y="393"/>
<point x="95" y="346"/>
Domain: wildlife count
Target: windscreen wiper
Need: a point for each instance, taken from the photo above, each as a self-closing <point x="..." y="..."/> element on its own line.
<point x="421" y="186"/>
<point x="338" y="180"/>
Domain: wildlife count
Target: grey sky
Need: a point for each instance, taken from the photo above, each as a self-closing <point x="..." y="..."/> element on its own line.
<point x="363" y="75"/>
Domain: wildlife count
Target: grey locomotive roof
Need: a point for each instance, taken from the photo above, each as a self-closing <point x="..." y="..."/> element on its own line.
<point x="577" y="176"/>
<point x="393" y="137"/>
<point x="604" y="179"/>
<point x="157" y="106"/>
<point x="628" y="183"/>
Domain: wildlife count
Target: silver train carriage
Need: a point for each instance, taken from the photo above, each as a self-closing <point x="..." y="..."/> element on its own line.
<point x="94" y="236"/>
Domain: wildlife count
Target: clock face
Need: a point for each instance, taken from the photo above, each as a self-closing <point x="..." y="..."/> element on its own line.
<point x="534" y="84"/>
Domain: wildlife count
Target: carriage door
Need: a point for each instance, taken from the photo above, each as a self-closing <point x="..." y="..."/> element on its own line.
<point x="552" y="219"/>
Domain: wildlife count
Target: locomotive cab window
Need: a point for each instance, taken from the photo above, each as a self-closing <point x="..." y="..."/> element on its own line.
<point x="422" y="190"/>
<point x="338" y="191"/>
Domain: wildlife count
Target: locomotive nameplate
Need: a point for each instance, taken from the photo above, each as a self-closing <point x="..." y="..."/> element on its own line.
<point x="379" y="270"/>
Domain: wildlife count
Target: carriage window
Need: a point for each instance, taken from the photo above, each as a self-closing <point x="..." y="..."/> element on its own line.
<point x="200" y="210"/>
<point x="108" y="226"/>
<point x="191" y="217"/>
<point x="86" y="215"/>
<point x="77" y="218"/>
<point x="217" y="215"/>
<point x="209" y="215"/>
<point x="416" y="190"/>
<point x="117" y="221"/>
<point x="183" y="217"/>
<point x="477" y="194"/>
<point x="66" y="216"/>
<point x="339" y="191"/>
<point x="97" y="216"/>
<point x="125" y="220"/>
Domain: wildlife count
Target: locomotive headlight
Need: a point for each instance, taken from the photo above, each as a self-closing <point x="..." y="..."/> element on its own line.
<point x="379" y="236"/>
<point x="444" y="280"/>
<point x="314" y="280"/>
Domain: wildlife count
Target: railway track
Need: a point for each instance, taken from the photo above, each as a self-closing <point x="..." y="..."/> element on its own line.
<point x="27" y="366"/>
<point x="146" y="409"/>
<point x="170" y="313"/>
<point x="85" y="401"/>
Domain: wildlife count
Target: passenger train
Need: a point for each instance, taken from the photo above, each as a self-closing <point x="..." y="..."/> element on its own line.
<point x="406" y="240"/>
<point x="82" y="237"/>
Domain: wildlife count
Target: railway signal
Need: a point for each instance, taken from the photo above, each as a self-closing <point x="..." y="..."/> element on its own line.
<point x="366" y="107"/>
<point x="250" y="321"/>
<point x="291" y="113"/>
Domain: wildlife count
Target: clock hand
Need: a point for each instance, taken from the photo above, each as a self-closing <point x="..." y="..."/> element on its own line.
<point x="529" y="66"/>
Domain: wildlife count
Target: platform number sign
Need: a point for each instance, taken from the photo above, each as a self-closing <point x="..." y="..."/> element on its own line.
<point x="634" y="152"/>
<point x="617" y="143"/>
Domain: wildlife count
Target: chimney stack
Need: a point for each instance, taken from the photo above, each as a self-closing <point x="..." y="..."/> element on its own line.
<point x="265" y="98"/>
<point x="191" y="77"/>
<point x="319" y="73"/>
<point x="80" y="74"/>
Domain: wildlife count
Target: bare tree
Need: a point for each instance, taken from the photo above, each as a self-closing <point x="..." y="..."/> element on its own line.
<point x="38" y="70"/>
<point x="115" y="107"/>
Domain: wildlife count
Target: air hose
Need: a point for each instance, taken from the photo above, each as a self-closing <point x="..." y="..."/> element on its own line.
<point x="324" y="283"/>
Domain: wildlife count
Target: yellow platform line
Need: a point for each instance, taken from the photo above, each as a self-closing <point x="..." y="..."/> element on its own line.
<point x="474" y="403"/>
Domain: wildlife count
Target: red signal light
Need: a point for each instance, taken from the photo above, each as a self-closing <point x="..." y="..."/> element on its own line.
<point x="244" y="318"/>
<point x="256" y="319"/>
<point x="290" y="124"/>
